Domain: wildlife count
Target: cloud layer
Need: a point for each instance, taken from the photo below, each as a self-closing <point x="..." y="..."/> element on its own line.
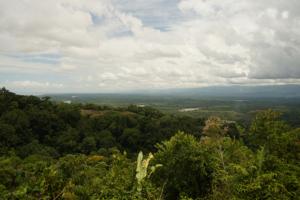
<point x="118" y="45"/>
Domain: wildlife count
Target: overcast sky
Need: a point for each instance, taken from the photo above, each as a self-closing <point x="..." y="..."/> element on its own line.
<point x="120" y="45"/>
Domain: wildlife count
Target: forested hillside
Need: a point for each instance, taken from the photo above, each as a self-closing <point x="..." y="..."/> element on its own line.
<point x="51" y="150"/>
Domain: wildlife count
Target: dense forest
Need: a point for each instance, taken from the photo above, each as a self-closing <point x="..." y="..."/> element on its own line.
<point x="51" y="150"/>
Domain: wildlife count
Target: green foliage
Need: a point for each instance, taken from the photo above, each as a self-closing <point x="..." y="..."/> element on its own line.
<point x="60" y="151"/>
<point x="187" y="167"/>
<point x="266" y="127"/>
<point x="263" y="173"/>
<point x="142" y="169"/>
<point x="8" y="137"/>
<point x="88" y="144"/>
<point x="105" y="139"/>
<point x="71" y="177"/>
<point x="75" y="128"/>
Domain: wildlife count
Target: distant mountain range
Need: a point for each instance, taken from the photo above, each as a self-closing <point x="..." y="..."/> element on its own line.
<point x="274" y="91"/>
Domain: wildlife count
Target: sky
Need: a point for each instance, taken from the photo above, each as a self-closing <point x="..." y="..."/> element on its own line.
<point x="56" y="46"/>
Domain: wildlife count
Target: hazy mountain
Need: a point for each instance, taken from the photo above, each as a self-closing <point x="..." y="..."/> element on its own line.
<point x="285" y="91"/>
<point x="279" y="91"/>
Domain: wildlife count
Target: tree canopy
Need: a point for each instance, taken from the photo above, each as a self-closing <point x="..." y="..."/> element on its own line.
<point x="51" y="150"/>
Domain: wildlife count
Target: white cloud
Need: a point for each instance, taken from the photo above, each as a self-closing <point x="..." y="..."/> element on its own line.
<point x="285" y="14"/>
<point x="29" y="86"/>
<point x="35" y="84"/>
<point x="99" y="45"/>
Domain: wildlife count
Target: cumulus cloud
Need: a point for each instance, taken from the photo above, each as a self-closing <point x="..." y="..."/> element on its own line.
<point x="28" y="86"/>
<point x="113" y="45"/>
